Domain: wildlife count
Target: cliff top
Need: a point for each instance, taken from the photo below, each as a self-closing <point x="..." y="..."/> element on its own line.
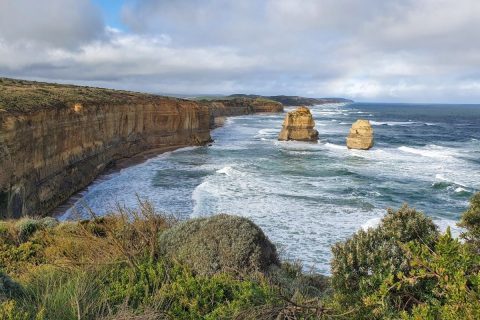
<point x="27" y="96"/>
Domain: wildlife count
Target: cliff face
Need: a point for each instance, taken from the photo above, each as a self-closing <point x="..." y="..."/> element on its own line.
<point x="46" y="156"/>
<point x="219" y="109"/>
<point x="55" y="139"/>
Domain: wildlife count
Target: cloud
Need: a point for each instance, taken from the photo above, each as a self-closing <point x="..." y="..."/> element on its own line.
<point x="424" y="50"/>
<point x="57" y="23"/>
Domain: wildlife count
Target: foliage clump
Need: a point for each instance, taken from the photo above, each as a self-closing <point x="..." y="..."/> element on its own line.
<point x="471" y="221"/>
<point x="362" y="263"/>
<point x="219" y="243"/>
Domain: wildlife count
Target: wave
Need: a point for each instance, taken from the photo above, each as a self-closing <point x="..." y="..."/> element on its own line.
<point x="432" y="151"/>
<point x="441" y="177"/>
<point x="393" y="123"/>
<point x="229" y="171"/>
<point x="268" y="131"/>
<point x="335" y="146"/>
<point x="401" y="123"/>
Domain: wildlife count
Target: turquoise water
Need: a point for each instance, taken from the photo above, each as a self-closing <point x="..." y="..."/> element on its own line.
<point x="307" y="196"/>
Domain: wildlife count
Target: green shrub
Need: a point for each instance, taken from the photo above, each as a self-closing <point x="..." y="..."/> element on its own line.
<point x="361" y="264"/>
<point x="19" y="259"/>
<point x="220" y="296"/>
<point x="471" y="222"/>
<point x="219" y="243"/>
<point x="27" y="227"/>
<point x="135" y="286"/>
<point x="449" y="274"/>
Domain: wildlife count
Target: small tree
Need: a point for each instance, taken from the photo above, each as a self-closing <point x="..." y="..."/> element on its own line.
<point x="361" y="264"/>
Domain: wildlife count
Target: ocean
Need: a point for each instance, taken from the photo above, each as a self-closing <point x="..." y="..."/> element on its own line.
<point x="307" y="196"/>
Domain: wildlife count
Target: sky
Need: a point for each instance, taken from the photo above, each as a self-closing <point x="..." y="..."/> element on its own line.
<point x="366" y="50"/>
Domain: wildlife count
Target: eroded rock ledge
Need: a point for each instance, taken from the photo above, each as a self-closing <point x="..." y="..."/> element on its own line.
<point x="55" y="139"/>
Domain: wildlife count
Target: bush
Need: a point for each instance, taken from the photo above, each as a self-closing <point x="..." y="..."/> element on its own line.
<point x="27" y="227"/>
<point x="361" y="264"/>
<point x="471" y="222"/>
<point x="219" y="243"/>
<point x="450" y="274"/>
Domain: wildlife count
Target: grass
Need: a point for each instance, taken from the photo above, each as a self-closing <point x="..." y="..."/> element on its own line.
<point x="27" y="96"/>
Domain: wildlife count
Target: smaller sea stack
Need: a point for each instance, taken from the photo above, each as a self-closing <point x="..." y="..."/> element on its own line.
<point x="298" y="125"/>
<point x="360" y="136"/>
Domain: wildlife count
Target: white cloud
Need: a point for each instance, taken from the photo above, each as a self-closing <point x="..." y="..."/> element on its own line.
<point x="57" y="23"/>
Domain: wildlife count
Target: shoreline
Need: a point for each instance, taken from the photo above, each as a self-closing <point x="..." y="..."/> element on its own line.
<point x="111" y="169"/>
<point x="127" y="162"/>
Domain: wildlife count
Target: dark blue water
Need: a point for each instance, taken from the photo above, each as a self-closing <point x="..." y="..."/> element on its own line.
<point x="308" y="196"/>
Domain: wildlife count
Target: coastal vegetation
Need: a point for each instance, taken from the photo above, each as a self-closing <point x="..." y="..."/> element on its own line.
<point x="27" y="96"/>
<point x="124" y="266"/>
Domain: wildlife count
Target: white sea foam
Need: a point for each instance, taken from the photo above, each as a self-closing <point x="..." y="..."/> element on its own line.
<point x="441" y="177"/>
<point x="393" y="123"/>
<point x="460" y="190"/>
<point x="269" y="131"/>
<point x="335" y="146"/>
<point x="371" y="223"/>
<point x="431" y="152"/>
<point x="230" y="171"/>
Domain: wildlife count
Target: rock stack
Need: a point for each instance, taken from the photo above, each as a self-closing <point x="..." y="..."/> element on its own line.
<point x="361" y="135"/>
<point x="299" y="125"/>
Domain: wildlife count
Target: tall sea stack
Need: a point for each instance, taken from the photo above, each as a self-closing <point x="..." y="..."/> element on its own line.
<point x="299" y="125"/>
<point x="361" y="135"/>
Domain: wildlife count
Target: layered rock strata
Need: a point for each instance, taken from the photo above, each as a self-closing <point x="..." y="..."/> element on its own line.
<point x="299" y="125"/>
<point x="220" y="109"/>
<point x="361" y="135"/>
<point x="56" y="139"/>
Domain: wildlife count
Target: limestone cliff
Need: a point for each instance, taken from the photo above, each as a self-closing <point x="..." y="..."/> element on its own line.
<point x="55" y="139"/>
<point x="299" y="125"/>
<point x="360" y="136"/>
<point x="219" y="109"/>
<point x="49" y="152"/>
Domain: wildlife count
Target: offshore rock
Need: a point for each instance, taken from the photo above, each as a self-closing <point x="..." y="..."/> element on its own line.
<point x="221" y="243"/>
<point x="299" y="125"/>
<point x="361" y="135"/>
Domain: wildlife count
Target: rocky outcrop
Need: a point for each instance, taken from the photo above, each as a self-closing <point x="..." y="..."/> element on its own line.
<point x="299" y="125"/>
<point x="220" y="109"/>
<point x="360" y="136"/>
<point x="220" y="243"/>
